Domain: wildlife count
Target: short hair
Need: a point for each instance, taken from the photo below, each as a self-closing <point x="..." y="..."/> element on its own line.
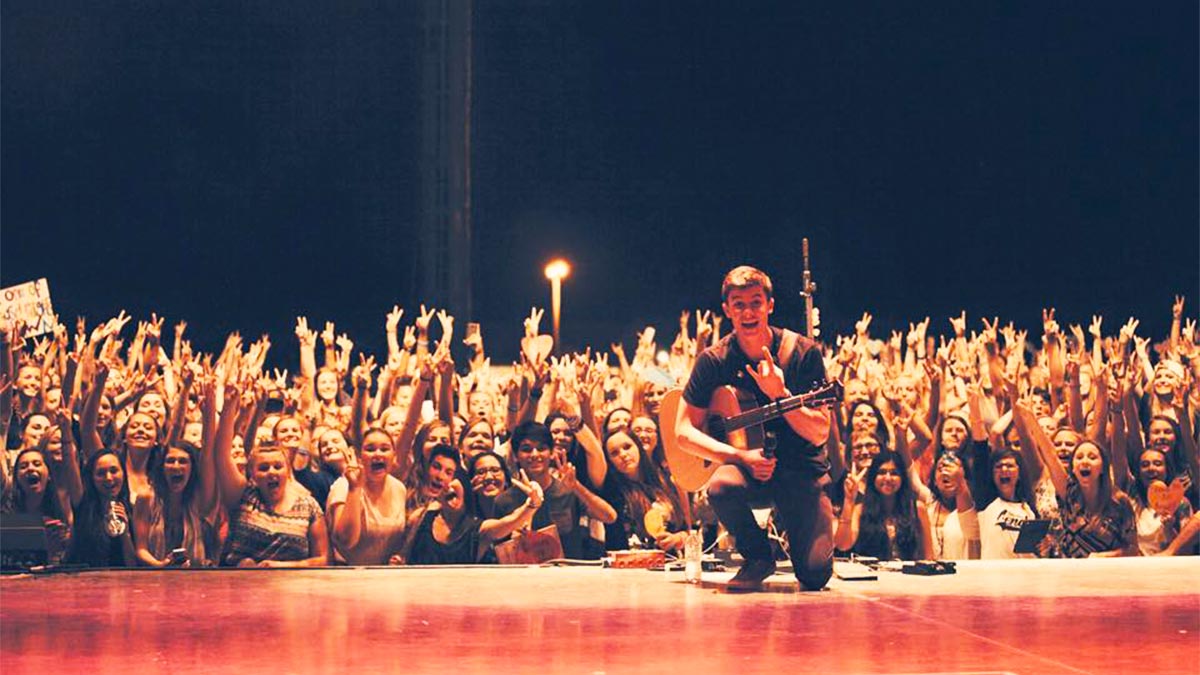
<point x="535" y="431"/>
<point x="743" y="277"/>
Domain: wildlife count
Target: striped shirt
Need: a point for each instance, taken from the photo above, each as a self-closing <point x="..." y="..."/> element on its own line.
<point x="259" y="533"/>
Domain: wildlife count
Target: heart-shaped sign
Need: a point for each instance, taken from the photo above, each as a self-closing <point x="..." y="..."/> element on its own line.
<point x="537" y="348"/>
<point x="1163" y="499"/>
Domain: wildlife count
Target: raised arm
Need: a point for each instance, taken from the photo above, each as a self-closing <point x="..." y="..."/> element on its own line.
<point x="495" y="529"/>
<point x="230" y="481"/>
<point x="596" y="507"/>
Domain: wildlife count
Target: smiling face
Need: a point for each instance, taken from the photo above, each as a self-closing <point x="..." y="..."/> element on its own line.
<point x="533" y="457"/>
<point x="177" y="469"/>
<point x="748" y="310"/>
<point x="1065" y="442"/>
<point x="1087" y="463"/>
<point x="108" y="476"/>
<point x="560" y="431"/>
<point x="1165" y="380"/>
<point x="141" y="432"/>
<point x="477" y="439"/>
<point x="289" y="433"/>
<point x="376" y="456"/>
<point x="646" y="431"/>
<point x="618" y="421"/>
<point x="623" y="454"/>
<point x="327" y="386"/>
<point x="439" y="434"/>
<point x="32" y="472"/>
<point x="269" y="473"/>
<point x="35" y="428"/>
<point x="1005" y="474"/>
<point x="439" y="476"/>
<point x="887" y="480"/>
<point x="863" y="448"/>
<point x="1152" y="466"/>
<point x="487" y="478"/>
<point x="153" y="404"/>
<point x="1162" y="434"/>
<point x="333" y="448"/>
<point x="29" y="381"/>
<point x="954" y="434"/>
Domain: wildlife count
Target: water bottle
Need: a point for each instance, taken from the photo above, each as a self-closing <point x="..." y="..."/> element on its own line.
<point x="113" y="524"/>
<point x="691" y="556"/>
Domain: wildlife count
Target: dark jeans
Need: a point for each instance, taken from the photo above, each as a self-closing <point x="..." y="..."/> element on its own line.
<point x="803" y="508"/>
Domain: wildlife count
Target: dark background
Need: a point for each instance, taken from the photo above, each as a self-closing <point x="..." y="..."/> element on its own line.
<point x="237" y="164"/>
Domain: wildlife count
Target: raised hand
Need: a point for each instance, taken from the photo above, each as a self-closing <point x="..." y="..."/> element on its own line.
<point x="1177" y="308"/>
<point x="989" y="334"/>
<point x="855" y="483"/>
<point x="393" y="319"/>
<point x="1128" y="330"/>
<point x="1049" y="325"/>
<point x="768" y="376"/>
<point x="447" y="323"/>
<point x="345" y="343"/>
<point x="1094" y="328"/>
<point x="154" y="327"/>
<point x="533" y="491"/>
<point x="896" y="340"/>
<point x="862" y="325"/>
<point x="423" y="320"/>
<point x="304" y="334"/>
<point x="410" y="337"/>
<point x="534" y="320"/>
<point x="959" y="324"/>
<point x="361" y="375"/>
<point x="327" y="335"/>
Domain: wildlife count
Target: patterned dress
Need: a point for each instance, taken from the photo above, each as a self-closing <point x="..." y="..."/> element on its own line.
<point x="259" y="533"/>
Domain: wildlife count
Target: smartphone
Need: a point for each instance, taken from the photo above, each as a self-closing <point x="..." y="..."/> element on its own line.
<point x="177" y="556"/>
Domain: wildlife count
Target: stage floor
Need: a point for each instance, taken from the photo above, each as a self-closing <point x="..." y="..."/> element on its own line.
<point x="1095" y="616"/>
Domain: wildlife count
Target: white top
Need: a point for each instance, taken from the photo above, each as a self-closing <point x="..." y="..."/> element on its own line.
<point x="950" y="542"/>
<point x="999" y="525"/>
<point x="382" y="531"/>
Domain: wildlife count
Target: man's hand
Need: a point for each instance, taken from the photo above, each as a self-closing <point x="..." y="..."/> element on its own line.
<point x="768" y="376"/>
<point x="760" y="466"/>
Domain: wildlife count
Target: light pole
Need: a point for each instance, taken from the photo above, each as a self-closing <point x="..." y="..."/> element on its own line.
<point x="556" y="271"/>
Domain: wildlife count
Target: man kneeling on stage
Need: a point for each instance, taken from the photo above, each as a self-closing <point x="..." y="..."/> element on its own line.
<point x="770" y="363"/>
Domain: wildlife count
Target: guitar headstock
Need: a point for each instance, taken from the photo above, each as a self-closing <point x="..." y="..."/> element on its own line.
<point x="823" y="394"/>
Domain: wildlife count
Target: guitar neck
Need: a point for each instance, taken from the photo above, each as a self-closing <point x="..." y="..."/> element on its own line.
<point x="768" y="412"/>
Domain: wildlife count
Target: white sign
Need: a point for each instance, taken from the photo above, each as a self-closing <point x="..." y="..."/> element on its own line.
<point x="29" y="303"/>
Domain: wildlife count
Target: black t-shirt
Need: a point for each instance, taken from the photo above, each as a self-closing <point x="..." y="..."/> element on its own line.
<point x="725" y="364"/>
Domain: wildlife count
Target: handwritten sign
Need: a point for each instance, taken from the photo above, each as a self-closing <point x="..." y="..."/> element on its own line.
<point x="29" y="303"/>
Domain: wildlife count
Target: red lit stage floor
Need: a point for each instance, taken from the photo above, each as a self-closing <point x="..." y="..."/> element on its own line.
<point x="1096" y="616"/>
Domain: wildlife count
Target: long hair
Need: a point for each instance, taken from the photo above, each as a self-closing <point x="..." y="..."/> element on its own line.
<point x="1174" y="453"/>
<point x="474" y="506"/>
<point x="882" y="433"/>
<point x="92" y="499"/>
<point x="872" y="527"/>
<point x="16" y="500"/>
<point x="1109" y="493"/>
<point x="640" y="493"/>
<point x="1023" y="490"/>
<point x="1140" y="488"/>
<point x="931" y="482"/>
<point x="158" y="476"/>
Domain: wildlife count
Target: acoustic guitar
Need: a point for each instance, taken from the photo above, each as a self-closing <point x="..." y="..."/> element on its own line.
<point x="732" y="417"/>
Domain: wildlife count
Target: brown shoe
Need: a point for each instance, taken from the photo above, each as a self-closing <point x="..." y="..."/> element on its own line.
<point x="750" y="577"/>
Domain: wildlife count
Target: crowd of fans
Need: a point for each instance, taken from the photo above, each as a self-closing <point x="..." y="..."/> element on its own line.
<point x="943" y="447"/>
